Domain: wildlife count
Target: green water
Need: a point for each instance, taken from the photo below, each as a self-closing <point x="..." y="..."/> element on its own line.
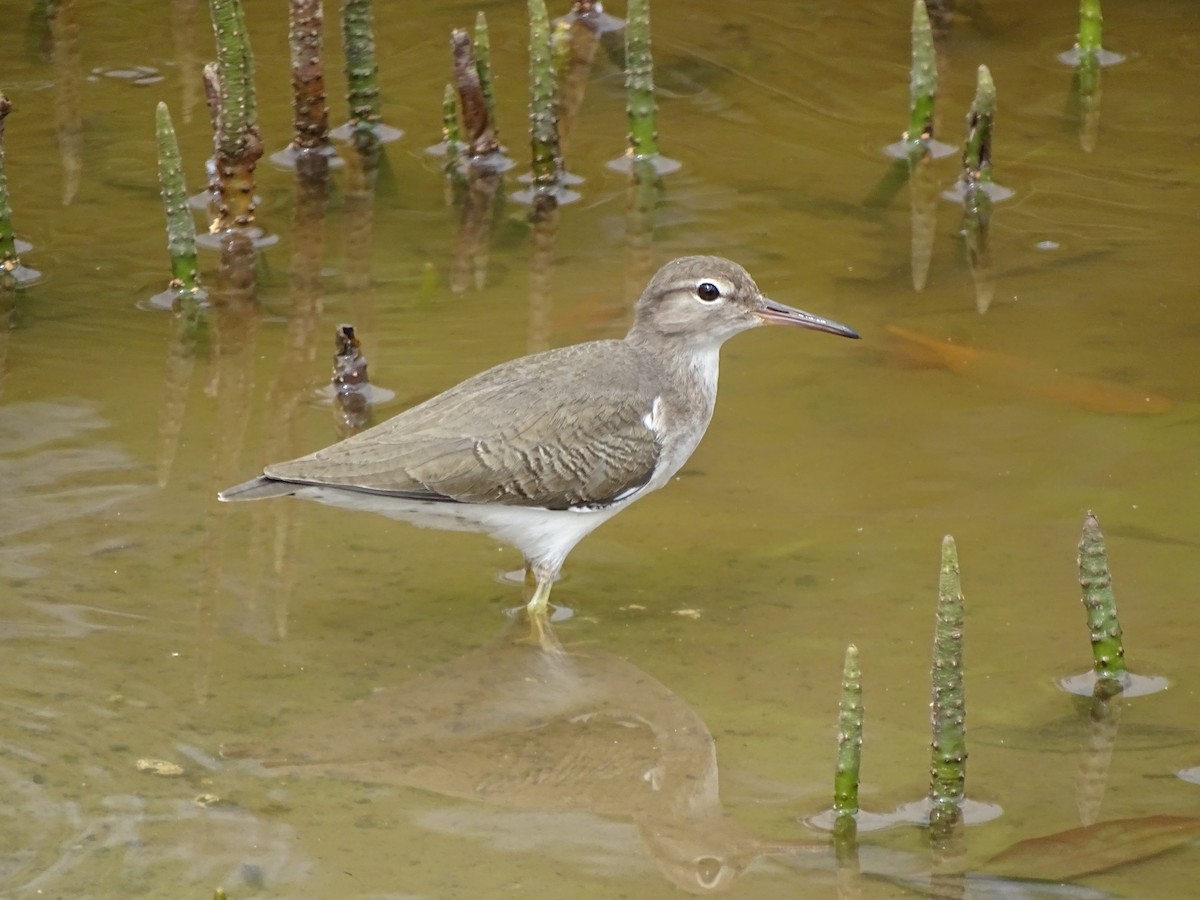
<point x="145" y="621"/>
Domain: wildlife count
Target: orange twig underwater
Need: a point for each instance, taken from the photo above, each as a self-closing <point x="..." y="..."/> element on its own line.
<point x="1027" y="376"/>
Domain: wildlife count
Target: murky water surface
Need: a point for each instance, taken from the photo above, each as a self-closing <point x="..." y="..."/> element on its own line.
<point x="392" y="738"/>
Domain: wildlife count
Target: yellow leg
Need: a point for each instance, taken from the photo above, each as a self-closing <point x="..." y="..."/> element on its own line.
<point x="539" y="602"/>
<point x="537" y="607"/>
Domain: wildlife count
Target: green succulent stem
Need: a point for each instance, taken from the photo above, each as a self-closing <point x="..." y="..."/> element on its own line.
<point x="9" y="259"/>
<point x="850" y="737"/>
<point x="923" y="79"/>
<point x="362" y="68"/>
<point x="948" y="765"/>
<point x="1099" y="600"/>
<point x="235" y="66"/>
<point x="543" y="100"/>
<point x="483" y="66"/>
<point x="238" y="143"/>
<point x="641" y="109"/>
<point x="181" y="230"/>
<point x="977" y="152"/>
<point x="1091" y="24"/>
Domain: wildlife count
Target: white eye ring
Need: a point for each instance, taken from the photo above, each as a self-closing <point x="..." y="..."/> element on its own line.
<point x="708" y="292"/>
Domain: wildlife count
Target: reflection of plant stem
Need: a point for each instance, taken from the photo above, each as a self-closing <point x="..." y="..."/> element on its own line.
<point x="181" y="361"/>
<point x="183" y="22"/>
<point x="358" y="219"/>
<point x="68" y="106"/>
<point x="947" y="771"/>
<point x="1086" y="94"/>
<point x="186" y="294"/>
<point x="1095" y="755"/>
<point x="235" y="318"/>
<point x="1108" y="650"/>
<point x="581" y="50"/>
<point x="291" y="385"/>
<point x="923" y="199"/>
<point x="845" y="848"/>
<point x="641" y="208"/>
<point x="976" y="175"/>
<point x="6" y="325"/>
<point x="543" y="220"/>
<point x="947" y="852"/>
<point x="475" y="225"/>
<point x="977" y="216"/>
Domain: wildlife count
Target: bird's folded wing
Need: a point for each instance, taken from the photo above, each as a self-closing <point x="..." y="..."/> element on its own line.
<point x="571" y="441"/>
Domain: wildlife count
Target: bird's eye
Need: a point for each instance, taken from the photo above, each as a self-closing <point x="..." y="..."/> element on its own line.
<point x="708" y="292"/>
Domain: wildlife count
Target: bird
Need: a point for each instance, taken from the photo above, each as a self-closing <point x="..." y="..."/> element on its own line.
<point x="539" y="451"/>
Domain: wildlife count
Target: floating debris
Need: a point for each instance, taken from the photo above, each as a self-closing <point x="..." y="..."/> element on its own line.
<point x="159" y="767"/>
<point x="350" y="389"/>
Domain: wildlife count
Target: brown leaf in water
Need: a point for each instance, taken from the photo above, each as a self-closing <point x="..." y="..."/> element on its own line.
<point x="1081" y="851"/>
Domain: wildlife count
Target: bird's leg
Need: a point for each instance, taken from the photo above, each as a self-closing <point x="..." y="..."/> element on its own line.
<point x="538" y="583"/>
<point x="530" y="585"/>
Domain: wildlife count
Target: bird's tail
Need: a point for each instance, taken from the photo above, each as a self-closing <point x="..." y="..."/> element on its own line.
<point x="259" y="488"/>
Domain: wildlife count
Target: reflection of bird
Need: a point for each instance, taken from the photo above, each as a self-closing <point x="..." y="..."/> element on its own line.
<point x="539" y="451"/>
<point x="535" y="726"/>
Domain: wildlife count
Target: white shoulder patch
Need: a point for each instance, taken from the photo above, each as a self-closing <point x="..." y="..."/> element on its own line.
<point x="654" y="419"/>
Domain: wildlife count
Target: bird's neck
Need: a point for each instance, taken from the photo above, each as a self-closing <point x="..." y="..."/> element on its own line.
<point x="689" y="365"/>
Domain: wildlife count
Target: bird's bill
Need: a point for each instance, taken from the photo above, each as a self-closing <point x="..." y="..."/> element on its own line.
<point x="777" y="314"/>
